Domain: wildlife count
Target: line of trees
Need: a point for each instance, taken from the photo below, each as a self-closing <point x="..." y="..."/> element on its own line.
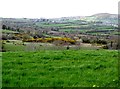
<point x="10" y="28"/>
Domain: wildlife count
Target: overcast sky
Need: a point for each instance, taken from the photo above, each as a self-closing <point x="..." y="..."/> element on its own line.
<point x="55" y="8"/>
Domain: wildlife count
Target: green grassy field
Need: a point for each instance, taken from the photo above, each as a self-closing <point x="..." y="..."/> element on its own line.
<point x="50" y="25"/>
<point x="67" y="68"/>
<point x="8" y="31"/>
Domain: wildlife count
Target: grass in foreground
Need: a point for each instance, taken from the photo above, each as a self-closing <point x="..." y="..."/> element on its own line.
<point x="68" y="68"/>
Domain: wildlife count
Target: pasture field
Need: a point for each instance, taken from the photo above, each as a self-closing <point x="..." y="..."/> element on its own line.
<point x="60" y="68"/>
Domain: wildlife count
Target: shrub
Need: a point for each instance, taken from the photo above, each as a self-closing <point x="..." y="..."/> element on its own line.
<point x="86" y="40"/>
<point x="105" y="47"/>
<point x="101" y="42"/>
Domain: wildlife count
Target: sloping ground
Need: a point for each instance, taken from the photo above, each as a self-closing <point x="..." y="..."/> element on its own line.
<point x="66" y="68"/>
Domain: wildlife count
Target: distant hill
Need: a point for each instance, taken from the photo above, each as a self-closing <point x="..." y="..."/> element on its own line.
<point x="98" y="16"/>
<point x="103" y="17"/>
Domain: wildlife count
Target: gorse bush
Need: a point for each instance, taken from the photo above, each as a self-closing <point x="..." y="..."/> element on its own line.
<point x="65" y="39"/>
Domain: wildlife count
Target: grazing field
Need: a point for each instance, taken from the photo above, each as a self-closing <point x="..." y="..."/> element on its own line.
<point x="62" y="68"/>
